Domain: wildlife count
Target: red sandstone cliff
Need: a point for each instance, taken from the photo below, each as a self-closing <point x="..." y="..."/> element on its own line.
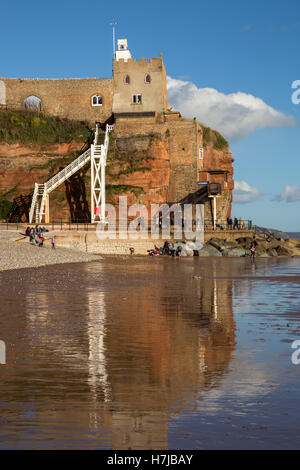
<point x="150" y="160"/>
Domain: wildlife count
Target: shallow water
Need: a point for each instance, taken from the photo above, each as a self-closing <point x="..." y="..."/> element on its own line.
<point x="136" y="353"/>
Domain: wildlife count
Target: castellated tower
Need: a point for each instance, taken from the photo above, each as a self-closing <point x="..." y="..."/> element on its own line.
<point x="139" y="85"/>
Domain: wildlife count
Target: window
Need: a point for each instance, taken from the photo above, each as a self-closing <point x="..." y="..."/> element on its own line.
<point x="137" y="99"/>
<point x="97" y="100"/>
<point x="33" y="103"/>
<point x="127" y="80"/>
<point x="200" y="153"/>
<point x="148" y="78"/>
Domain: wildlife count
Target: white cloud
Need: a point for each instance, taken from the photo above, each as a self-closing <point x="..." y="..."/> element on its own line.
<point x="291" y="193"/>
<point x="235" y="115"/>
<point x="244" y="193"/>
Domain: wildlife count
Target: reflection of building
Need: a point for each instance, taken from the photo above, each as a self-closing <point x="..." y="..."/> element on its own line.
<point x="124" y="350"/>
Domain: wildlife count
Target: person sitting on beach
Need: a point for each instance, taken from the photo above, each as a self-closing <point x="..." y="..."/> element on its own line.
<point x="27" y="232"/>
<point x="41" y="239"/>
<point x="178" y="251"/>
<point x="166" y="248"/>
<point x="173" y="251"/>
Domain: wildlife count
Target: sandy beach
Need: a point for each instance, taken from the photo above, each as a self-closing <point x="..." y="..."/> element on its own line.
<point x="18" y="255"/>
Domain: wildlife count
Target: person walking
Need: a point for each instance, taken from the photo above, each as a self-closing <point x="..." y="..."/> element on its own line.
<point x="253" y="246"/>
<point x="229" y="223"/>
<point x="53" y="242"/>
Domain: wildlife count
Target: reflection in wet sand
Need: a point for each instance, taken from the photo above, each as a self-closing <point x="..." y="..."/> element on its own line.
<point x="103" y="355"/>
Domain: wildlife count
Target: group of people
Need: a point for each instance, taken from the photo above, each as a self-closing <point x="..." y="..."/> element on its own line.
<point x="235" y="224"/>
<point x="35" y="230"/>
<point x="167" y="249"/>
<point x="36" y="236"/>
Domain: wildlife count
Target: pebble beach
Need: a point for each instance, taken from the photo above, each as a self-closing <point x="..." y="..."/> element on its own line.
<point x="21" y="254"/>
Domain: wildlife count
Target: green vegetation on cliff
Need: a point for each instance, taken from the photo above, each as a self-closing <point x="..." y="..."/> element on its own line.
<point x="214" y="138"/>
<point x="29" y="127"/>
<point x="123" y="163"/>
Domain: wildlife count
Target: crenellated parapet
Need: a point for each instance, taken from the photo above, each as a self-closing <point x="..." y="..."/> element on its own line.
<point x="139" y="85"/>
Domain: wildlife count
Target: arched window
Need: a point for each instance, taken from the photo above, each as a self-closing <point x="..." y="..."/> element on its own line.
<point x="148" y="78"/>
<point x="127" y="80"/>
<point x="97" y="100"/>
<point x="33" y="103"/>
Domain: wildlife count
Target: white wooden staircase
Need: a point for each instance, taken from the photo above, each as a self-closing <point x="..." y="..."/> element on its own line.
<point x="98" y="155"/>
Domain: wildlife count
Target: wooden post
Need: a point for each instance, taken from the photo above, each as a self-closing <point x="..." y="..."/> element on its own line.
<point x="47" y="210"/>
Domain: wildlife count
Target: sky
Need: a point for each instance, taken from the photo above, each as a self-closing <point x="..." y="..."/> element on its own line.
<point x="230" y="64"/>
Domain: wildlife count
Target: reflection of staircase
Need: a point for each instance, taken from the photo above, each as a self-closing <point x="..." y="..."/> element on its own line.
<point x="98" y="153"/>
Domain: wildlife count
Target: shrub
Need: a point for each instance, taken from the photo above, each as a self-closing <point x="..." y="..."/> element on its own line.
<point x="30" y="127"/>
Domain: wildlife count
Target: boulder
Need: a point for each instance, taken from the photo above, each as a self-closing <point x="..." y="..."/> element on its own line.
<point x="261" y="249"/>
<point x="209" y="250"/>
<point x="283" y="251"/>
<point x="199" y="245"/>
<point x="244" y="241"/>
<point x="230" y="245"/>
<point x="275" y="244"/>
<point x="186" y="251"/>
<point x="217" y="243"/>
<point x="235" y="252"/>
<point x="278" y="234"/>
<point x="190" y="245"/>
<point x="272" y="252"/>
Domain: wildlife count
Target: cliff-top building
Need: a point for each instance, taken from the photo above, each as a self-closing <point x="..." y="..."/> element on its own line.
<point x="178" y="155"/>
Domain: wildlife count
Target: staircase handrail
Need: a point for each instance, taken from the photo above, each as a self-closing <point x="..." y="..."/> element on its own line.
<point x="33" y="203"/>
<point x="52" y="181"/>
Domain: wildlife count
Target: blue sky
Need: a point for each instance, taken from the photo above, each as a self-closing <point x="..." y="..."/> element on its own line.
<point x="229" y="47"/>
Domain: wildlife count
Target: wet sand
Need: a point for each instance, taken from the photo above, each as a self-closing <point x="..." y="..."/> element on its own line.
<point x="141" y="353"/>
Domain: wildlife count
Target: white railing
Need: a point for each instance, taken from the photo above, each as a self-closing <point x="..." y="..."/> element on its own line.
<point x="98" y="164"/>
<point x="33" y="202"/>
<point x="68" y="171"/>
<point x="42" y="190"/>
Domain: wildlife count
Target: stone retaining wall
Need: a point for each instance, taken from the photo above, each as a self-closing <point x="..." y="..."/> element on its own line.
<point x="90" y="243"/>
